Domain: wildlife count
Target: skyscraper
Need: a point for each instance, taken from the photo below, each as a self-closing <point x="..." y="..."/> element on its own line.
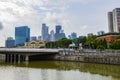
<point x="45" y="30"/>
<point x="110" y="21"/>
<point x="59" y="33"/>
<point x="114" y="20"/>
<point x="22" y="35"/>
<point x="52" y="35"/>
<point x="58" y="29"/>
<point x="73" y="35"/>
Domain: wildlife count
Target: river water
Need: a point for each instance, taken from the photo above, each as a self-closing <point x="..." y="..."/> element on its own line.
<point x="55" y="70"/>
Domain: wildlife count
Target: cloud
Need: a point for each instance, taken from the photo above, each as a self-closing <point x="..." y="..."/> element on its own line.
<point x="34" y="12"/>
<point x="85" y="29"/>
<point x="53" y="18"/>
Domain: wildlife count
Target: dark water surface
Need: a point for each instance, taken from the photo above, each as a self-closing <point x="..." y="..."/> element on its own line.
<point x="55" y="70"/>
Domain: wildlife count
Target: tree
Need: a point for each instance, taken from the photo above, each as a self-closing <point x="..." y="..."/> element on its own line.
<point x="118" y="37"/>
<point x="117" y="44"/>
<point x="111" y="45"/>
<point x="91" y="42"/>
<point x="64" y="42"/>
<point x="50" y="45"/>
<point x="100" y="47"/>
<point x="101" y="44"/>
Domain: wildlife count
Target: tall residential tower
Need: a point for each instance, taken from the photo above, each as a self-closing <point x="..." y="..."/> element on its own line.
<point x="110" y="22"/>
<point x="114" y="20"/>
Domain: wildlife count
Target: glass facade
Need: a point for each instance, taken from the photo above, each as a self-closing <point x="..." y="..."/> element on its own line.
<point x="73" y="35"/>
<point x="58" y="29"/>
<point x="59" y="33"/>
<point x="33" y="38"/>
<point x="9" y="43"/>
<point x="22" y="35"/>
<point x="101" y="33"/>
<point x="45" y="34"/>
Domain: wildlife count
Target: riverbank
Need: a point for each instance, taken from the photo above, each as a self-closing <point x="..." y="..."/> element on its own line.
<point x="102" y="57"/>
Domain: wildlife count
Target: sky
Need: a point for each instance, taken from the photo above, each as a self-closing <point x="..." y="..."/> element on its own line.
<point x="80" y="16"/>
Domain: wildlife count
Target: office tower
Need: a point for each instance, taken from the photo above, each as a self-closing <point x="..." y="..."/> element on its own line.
<point x="59" y="33"/>
<point x="114" y="20"/>
<point x="58" y="28"/>
<point x="22" y="35"/>
<point x="45" y="30"/>
<point x="101" y="33"/>
<point x="73" y="35"/>
<point x="10" y="42"/>
<point x="33" y="38"/>
<point x="52" y="35"/>
<point x="110" y="21"/>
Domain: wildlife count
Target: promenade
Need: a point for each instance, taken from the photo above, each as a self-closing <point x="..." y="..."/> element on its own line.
<point x="91" y="56"/>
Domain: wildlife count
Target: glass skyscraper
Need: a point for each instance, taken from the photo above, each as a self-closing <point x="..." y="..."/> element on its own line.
<point x="52" y="35"/>
<point x="10" y="42"/>
<point x="58" y="29"/>
<point x="73" y="35"/>
<point x="22" y="35"/>
<point x="59" y="33"/>
<point x="45" y="34"/>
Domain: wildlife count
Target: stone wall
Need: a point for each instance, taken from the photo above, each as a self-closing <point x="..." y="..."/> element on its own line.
<point x="102" y="57"/>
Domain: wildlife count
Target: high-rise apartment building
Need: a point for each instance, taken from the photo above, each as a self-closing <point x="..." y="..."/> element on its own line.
<point x="114" y="20"/>
<point x="110" y="22"/>
<point x="22" y="35"/>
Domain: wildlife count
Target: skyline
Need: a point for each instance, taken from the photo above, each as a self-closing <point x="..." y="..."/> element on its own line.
<point x="78" y="16"/>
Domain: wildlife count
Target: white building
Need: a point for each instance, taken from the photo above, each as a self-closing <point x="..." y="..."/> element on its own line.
<point x="114" y="20"/>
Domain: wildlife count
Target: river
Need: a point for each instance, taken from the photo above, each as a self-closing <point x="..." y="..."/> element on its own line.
<point x="55" y="70"/>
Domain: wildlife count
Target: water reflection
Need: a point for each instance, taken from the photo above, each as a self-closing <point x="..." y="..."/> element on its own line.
<point x="49" y="70"/>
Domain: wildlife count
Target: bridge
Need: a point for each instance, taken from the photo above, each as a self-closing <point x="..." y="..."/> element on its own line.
<point x="27" y="54"/>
